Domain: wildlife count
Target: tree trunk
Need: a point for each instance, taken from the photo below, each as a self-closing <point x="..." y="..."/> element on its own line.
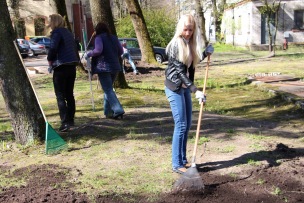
<point x="270" y="11"/>
<point x="201" y="20"/>
<point x="62" y="10"/>
<point x="19" y="97"/>
<point x="101" y="12"/>
<point x="141" y="30"/>
<point x="19" y="27"/>
<point x="218" y="11"/>
<point x="215" y="16"/>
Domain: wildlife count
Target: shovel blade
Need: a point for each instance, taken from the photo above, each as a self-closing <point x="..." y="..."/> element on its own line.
<point x="190" y="181"/>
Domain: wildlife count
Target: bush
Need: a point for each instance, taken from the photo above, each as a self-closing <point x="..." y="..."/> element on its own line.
<point x="160" y="25"/>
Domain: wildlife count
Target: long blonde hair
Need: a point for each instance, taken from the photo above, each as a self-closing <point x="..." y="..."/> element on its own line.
<point x="56" y="21"/>
<point x="195" y="41"/>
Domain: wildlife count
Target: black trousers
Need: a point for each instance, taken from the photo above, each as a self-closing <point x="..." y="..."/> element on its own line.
<point x="64" y="79"/>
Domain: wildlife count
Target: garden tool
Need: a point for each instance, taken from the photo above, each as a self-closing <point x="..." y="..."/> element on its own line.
<point x="53" y="142"/>
<point x="191" y="181"/>
<point x="86" y="45"/>
<point x="88" y="67"/>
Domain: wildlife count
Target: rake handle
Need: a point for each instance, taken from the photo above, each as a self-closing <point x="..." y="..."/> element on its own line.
<point x="200" y="114"/>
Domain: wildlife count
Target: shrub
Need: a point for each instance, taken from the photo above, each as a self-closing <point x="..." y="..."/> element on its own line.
<point x="160" y="25"/>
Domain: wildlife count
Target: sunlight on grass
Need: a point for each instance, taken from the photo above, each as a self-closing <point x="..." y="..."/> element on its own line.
<point x="133" y="156"/>
<point x="276" y="191"/>
<point x="7" y="182"/>
<point x="255" y="137"/>
<point x="253" y="162"/>
<point x="260" y="181"/>
<point x="226" y="149"/>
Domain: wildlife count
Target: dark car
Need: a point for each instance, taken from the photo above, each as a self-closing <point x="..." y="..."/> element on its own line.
<point x="24" y="48"/>
<point x="46" y="41"/>
<point x="134" y="50"/>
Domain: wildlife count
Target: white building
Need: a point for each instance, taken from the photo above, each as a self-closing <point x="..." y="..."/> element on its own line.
<point x="244" y="25"/>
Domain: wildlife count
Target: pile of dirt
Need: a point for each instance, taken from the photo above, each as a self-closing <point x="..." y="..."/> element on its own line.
<point x="44" y="183"/>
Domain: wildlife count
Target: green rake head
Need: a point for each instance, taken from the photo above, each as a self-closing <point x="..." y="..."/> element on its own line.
<point x="54" y="144"/>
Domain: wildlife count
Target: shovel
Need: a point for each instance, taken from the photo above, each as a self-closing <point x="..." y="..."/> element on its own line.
<point x="191" y="181"/>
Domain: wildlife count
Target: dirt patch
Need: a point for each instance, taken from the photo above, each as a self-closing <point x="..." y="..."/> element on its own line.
<point x="44" y="183"/>
<point x="273" y="182"/>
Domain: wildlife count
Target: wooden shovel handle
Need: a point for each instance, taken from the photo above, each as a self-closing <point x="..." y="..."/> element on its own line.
<point x="200" y="114"/>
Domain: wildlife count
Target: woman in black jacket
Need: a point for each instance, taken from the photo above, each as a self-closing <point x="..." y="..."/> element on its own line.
<point x="184" y="52"/>
<point x="63" y="58"/>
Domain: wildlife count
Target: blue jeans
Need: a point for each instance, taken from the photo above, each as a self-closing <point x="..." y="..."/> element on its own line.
<point x="181" y="107"/>
<point x="112" y="106"/>
<point x="128" y="56"/>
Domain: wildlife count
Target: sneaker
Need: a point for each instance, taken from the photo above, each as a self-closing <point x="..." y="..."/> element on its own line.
<point x="64" y="127"/>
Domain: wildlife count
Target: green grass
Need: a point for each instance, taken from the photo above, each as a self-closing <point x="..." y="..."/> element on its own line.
<point x="260" y="181"/>
<point x="6" y="182"/>
<point x="276" y="191"/>
<point x="124" y="159"/>
<point x="253" y="162"/>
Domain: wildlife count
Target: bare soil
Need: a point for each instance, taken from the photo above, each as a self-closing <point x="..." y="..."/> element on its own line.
<point x="280" y="177"/>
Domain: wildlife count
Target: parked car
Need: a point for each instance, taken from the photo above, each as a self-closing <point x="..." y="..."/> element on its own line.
<point x="46" y="41"/>
<point x="133" y="47"/>
<point x="38" y="49"/>
<point x="24" y="48"/>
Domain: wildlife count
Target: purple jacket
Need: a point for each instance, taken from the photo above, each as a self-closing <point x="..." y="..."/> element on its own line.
<point x="106" y="54"/>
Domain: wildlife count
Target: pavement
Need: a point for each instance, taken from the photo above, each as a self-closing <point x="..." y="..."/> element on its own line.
<point x="288" y="87"/>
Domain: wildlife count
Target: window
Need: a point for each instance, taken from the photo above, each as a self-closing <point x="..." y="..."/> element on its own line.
<point x="132" y="44"/>
<point x="39" y="26"/>
<point x="299" y="19"/>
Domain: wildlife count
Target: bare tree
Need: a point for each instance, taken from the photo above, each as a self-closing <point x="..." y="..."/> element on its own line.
<point x="218" y="11"/>
<point x="120" y="8"/>
<point x="15" y="16"/>
<point x="101" y="12"/>
<point x="62" y="10"/>
<point x="19" y="97"/>
<point x="141" y="31"/>
<point x="271" y="13"/>
<point x="201" y="20"/>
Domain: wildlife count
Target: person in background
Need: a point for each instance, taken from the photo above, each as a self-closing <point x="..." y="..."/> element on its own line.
<point x="105" y="63"/>
<point x="63" y="58"/>
<point x="126" y="55"/>
<point x="184" y="52"/>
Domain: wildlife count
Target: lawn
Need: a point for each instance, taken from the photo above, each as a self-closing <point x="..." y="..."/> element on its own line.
<point x="129" y="160"/>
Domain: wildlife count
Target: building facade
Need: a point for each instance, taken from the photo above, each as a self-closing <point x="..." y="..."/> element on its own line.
<point x="244" y="25"/>
<point x="30" y="17"/>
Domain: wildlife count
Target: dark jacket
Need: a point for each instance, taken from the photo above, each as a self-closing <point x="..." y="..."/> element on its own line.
<point x="106" y="54"/>
<point x="63" y="48"/>
<point x="176" y="72"/>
